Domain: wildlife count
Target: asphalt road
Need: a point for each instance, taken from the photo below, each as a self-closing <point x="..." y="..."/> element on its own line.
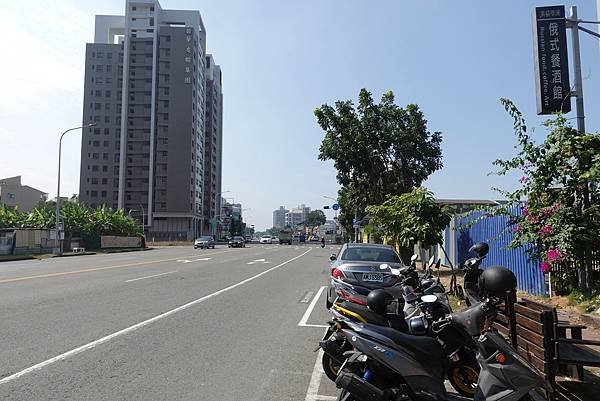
<point x="165" y="324"/>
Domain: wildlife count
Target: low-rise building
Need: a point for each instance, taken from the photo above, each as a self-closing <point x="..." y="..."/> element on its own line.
<point x="22" y="197"/>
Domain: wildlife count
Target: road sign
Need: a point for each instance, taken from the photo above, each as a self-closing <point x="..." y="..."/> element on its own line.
<point x="335" y="206"/>
<point x="551" y="60"/>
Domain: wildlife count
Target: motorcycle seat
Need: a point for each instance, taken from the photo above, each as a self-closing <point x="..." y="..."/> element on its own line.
<point x="367" y="314"/>
<point x="426" y="346"/>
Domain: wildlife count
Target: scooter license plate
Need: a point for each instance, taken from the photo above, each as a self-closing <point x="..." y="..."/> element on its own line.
<point x="373" y="277"/>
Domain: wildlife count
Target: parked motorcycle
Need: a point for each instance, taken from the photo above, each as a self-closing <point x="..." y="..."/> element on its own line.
<point x="422" y="305"/>
<point x="387" y="365"/>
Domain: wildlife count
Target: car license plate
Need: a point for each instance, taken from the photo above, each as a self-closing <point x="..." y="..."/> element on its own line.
<point x="376" y="277"/>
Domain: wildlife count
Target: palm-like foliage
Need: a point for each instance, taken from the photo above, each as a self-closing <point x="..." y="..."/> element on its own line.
<point x="78" y="219"/>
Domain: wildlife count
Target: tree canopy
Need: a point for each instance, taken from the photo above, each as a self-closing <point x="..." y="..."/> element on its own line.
<point x="377" y="149"/>
<point x="411" y="218"/>
<point x="316" y="218"/>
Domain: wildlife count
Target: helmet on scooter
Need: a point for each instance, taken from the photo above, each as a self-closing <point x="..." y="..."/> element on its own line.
<point x="480" y="249"/>
<point x="377" y="301"/>
<point x="496" y="281"/>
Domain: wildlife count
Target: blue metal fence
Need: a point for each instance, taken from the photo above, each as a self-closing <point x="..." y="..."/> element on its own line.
<point x="459" y="237"/>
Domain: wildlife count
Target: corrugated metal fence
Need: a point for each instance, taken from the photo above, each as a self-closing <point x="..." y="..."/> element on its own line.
<point x="459" y="237"/>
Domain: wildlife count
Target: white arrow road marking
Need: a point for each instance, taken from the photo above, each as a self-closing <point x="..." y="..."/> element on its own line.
<point x="198" y="260"/>
<point x="258" y="261"/>
<point x="184" y="261"/>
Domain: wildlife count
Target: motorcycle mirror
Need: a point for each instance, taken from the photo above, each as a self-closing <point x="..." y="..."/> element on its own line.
<point x="395" y="272"/>
<point x="431" y="261"/>
<point x="414" y="257"/>
<point x="333" y="257"/>
<point x="384" y="266"/>
<point x="429" y="299"/>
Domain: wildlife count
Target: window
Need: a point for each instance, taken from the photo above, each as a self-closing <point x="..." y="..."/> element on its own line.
<point x="96" y="131"/>
<point x="105" y="156"/>
<point x="108" y="80"/>
<point x="94" y="194"/>
<point x="109" y="56"/>
<point x="107" y="119"/>
<point x="109" y="68"/>
<point x="99" y="80"/>
<point x="96" y="119"/>
<point x="96" y="143"/>
<point x="107" y="93"/>
<point x="98" y="93"/>
<point x="99" y="68"/>
<point x="94" y="181"/>
<point x="106" y="131"/>
<point x="95" y="155"/>
<point x="97" y="106"/>
<point x="94" y="168"/>
<point x="103" y="194"/>
<point x="106" y="106"/>
<point x="105" y="143"/>
<point x="105" y="169"/>
<point x="100" y="55"/>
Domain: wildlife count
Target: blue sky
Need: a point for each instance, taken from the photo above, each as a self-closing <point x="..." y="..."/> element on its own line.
<point x="280" y="60"/>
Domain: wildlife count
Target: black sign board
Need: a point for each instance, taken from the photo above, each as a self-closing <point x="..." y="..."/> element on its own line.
<point x="551" y="60"/>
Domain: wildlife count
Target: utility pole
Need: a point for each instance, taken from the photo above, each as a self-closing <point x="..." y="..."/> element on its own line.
<point x="578" y="92"/>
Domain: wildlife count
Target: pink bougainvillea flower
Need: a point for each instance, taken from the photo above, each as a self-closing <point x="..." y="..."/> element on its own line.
<point x="525" y="211"/>
<point x="545" y="231"/>
<point x="545" y="267"/>
<point x="554" y="255"/>
<point x="517" y="228"/>
<point x="523" y="180"/>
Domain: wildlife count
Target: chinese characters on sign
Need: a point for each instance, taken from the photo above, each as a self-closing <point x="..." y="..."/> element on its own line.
<point x="188" y="57"/>
<point x="551" y="60"/>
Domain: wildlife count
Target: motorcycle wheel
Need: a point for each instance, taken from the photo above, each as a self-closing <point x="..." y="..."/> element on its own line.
<point x="464" y="377"/>
<point x="330" y="366"/>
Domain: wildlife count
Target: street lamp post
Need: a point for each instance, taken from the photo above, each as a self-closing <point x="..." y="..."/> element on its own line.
<point x="334" y="219"/>
<point x="57" y="222"/>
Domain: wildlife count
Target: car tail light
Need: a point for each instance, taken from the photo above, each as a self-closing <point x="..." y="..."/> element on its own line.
<point x="337" y="273"/>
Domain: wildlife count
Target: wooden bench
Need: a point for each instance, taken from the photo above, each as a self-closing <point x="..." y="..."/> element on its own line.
<point x="535" y="330"/>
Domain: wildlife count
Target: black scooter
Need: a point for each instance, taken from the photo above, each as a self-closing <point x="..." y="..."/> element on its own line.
<point x="386" y="365"/>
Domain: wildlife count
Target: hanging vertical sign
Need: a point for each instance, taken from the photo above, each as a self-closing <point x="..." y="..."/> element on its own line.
<point x="551" y="60"/>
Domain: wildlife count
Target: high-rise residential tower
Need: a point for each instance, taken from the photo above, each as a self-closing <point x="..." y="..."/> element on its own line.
<point x="145" y="90"/>
<point x="213" y="144"/>
<point x="279" y="217"/>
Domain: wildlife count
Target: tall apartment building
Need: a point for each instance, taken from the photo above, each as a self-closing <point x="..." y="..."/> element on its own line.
<point x="279" y="217"/>
<point x="145" y="90"/>
<point x="297" y="215"/>
<point x="213" y="143"/>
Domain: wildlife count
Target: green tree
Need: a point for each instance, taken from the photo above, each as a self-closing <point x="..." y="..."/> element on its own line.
<point x="316" y="218"/>
<point x="273" y="231"/>
<point x="411" y="218"/>
<point x="561" y="210"/>
<point x="377" y="149"/>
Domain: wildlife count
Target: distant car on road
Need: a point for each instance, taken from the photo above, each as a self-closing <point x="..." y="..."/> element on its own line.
<point x="237" y="242"/>
<point x="266" y="239"/>
<point x="204" y="242"/>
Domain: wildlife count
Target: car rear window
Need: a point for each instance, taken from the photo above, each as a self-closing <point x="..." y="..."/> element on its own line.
<point x="371" y="254"/>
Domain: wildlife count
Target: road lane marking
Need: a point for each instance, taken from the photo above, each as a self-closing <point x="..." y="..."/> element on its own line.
<point x="307" y="296"/>
<point x="311" y="306"/>
<point x="201" y="259"/>
<point x="312" y="393"/>
<point x="94" y="269"/>
<point x="154" y="275"/>
<point x="139" y="325"/>
<point x="258" y="261"/>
